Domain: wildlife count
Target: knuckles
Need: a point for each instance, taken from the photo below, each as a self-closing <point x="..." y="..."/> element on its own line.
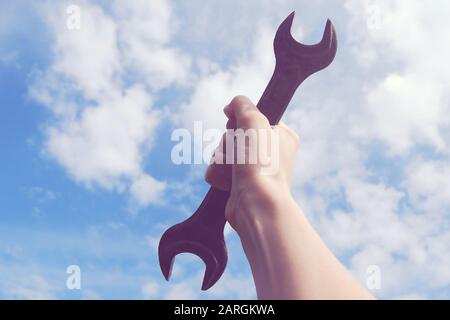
<point x="241" y="101"/>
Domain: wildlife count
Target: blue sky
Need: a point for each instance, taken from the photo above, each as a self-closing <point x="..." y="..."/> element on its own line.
<point x="86" y="174"/>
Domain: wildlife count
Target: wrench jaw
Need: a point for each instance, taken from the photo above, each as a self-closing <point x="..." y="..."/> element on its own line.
<point x="326" y="49"/>
<point x="215" y="265"/>
<point x="214" y="254"/>
<point x="300" y="58"/>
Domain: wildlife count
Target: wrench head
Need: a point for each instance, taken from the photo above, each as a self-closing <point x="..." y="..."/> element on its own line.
<point x="188" y="237"/>
<point x="300" y="59"/>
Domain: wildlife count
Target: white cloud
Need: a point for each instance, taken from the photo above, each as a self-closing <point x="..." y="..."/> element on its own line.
<point x="105" y="144"/>
<point x="145" y="30"/>
<point x="413" y="119"/>
<point x="216" y="87"/>
<point x="150" y="290"/>
<point x="428" y="183"/>
<point x="104" y="125"/>
<point x="182" y="291"/>
<point x="238" y="286"/>
<point x="146" y="190"/>
<point x="88" y="57"/>
<point x="408" y="105"/>
<point x="30" y="288"/>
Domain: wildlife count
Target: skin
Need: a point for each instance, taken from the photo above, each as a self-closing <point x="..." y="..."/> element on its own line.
<point x="287" y="257"/>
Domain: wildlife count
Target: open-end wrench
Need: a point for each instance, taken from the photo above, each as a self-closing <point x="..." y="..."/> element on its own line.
<point x="202" y="233"/>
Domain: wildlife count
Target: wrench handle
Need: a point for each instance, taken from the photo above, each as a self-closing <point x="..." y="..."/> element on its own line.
<point x="211" y="212"/>
<point x="278" y="93"/>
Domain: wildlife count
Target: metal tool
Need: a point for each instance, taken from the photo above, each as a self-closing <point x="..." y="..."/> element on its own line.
<point x="202" y="233"/>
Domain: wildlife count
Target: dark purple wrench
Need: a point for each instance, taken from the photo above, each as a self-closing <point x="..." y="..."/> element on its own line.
<point x="202" y="233"/>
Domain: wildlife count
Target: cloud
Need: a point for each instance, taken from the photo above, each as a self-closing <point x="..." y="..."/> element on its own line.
<point x="183" y="290"/>
<point x="238" y="286"/>
<point x="88" y="57"/>
<point x="216" y="86"/>
<point x="412" y="88"/>
<point x="30" y="288"/>
<point x="146" y="190"/>
<point x="104" y="144"/>
<point x="104" y="125"/>
<point x="150" y="290"/>
<point x="145" y="29"/>
<point x="428" y="183"/>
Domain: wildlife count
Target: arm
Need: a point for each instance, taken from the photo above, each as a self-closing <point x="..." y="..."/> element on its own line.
<point x="287" y="257"/>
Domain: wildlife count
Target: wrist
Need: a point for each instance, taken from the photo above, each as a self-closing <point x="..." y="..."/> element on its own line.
<point x="266" y="234"/>
<point x="255" y="210"/>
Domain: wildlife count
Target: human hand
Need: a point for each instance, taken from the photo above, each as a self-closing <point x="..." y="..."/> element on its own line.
<point x="256" y="186"/>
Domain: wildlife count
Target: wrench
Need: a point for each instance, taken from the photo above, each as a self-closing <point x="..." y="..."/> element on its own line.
<point x="202" y="233"/>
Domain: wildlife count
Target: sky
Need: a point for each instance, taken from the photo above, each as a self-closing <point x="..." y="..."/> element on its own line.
<point x="87" y="114"/>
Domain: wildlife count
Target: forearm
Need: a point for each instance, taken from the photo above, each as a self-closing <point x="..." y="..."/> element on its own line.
<point x="289" y="260"/>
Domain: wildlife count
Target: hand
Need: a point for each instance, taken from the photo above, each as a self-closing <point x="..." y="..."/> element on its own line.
<point x="259" y="184"/>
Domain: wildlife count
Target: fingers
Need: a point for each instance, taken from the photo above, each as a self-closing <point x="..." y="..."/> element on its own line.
<point x="231" y="124"/>
<point x="219" y="176"/>
<point x="218" y="173"/>
<point x="243" y="114"/>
